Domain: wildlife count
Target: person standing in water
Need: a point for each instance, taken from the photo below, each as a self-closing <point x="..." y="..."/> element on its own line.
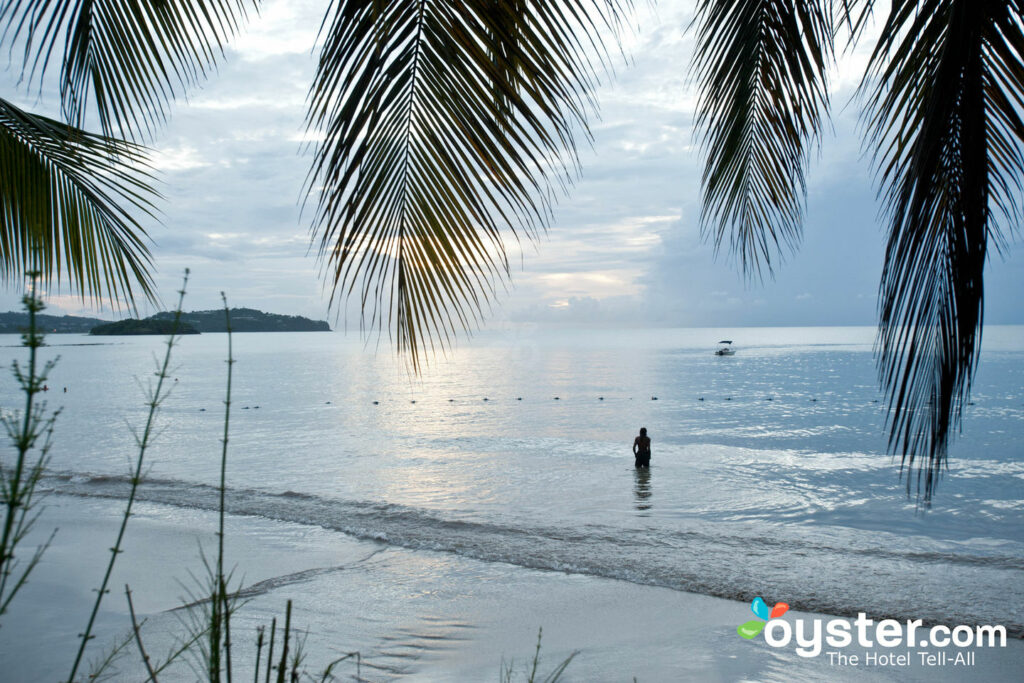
<point x="642" y="449"/>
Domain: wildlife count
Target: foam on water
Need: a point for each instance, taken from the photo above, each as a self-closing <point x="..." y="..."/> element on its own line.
<point x="723" y="560"/>
<point x="793" y="499"/>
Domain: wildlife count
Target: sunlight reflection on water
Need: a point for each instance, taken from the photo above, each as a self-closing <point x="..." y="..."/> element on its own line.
<point x="797" y="489"/>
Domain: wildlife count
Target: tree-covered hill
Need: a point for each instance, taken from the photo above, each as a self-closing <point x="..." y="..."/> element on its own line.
<point x="242" y="320"/>
<point x="16" y="322"/>
<point x="147" y="326"/>
<point x="247" y="320"/>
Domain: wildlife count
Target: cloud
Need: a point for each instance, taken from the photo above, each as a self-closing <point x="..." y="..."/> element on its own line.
<point x="624" y="246"/>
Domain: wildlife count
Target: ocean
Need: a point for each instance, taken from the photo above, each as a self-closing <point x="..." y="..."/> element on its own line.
<point x="769" y="477"/>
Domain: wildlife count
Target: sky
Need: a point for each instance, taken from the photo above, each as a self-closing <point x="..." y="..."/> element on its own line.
<point x="624" y="248"/>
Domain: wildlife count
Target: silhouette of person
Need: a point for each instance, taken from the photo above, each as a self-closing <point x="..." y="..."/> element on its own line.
<point x="642" y="449"/>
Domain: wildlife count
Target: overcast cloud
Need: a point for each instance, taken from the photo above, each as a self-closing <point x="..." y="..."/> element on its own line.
<point x="624" y="248"/>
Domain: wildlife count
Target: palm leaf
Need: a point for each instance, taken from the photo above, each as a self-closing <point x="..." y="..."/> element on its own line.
<point x="132" y="58"/>
<point x="855" y="15"/>
<point x="944" y="117"/>
<point x="760" y="66"/>
<point x="63" y="199"/>
<point x="444" y="125"/>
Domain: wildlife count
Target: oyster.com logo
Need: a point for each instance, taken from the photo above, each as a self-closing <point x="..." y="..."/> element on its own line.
<point x="761" y="610"/>
<point x="902" y="643"/>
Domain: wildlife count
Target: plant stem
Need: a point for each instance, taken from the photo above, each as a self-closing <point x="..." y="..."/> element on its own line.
<point x="282" y="667"/>
<point x="23" y="441"/>
<point x="136" y="628"/>
<point x="270" y="649"/>
<point x="227" y="629"/>
<point x="259" y="651"/>
<point x="220" y="612"/>
<point x="143" y="443"/>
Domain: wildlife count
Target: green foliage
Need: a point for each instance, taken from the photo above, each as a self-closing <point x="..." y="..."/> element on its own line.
<point x="247" y="320"/>
<point x="68" y="206"/>
<point x="148" y="326"/>
<point x="128" y="59"/>
<point x="29" y="431"/>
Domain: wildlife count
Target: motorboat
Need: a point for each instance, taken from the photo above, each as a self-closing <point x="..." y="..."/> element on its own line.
<point x="725" y="348"/>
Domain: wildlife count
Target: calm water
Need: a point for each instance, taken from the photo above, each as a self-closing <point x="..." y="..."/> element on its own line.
<point x="776" y="484"/>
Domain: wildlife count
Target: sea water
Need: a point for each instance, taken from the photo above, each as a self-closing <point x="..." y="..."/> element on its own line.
<point x="770" y="474"/>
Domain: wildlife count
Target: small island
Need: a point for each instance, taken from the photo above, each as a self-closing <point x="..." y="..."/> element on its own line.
<point x="246" y="320"/>
<point x="147" y="326"/>
<point x="195" y="322"/>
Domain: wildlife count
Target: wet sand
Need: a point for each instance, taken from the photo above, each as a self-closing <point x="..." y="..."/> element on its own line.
<point x="412" y="615"/>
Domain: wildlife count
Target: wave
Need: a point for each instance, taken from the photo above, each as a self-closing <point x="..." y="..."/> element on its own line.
<point x="722" y="560"/>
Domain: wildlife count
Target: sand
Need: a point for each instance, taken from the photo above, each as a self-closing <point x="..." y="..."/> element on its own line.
<point x="412" y="616"/>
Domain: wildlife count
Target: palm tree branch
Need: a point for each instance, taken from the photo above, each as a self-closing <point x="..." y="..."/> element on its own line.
<point x="446" y="127"/>
<point x="943" y="114"/>
<point x="131" y="58"/>
<point x="761" y="70"/>
<point x="66" y="196"/>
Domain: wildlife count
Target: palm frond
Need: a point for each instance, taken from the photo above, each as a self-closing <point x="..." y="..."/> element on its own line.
<point x="855" y="15"/>
<point x="944" y="117"/>
<point x="65" y="196"/>
<point x="761" y="69"/>
<point x="444" y="125"/>
<point x="132" y="58"/>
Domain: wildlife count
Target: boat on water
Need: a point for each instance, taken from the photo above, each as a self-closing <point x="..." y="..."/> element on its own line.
<point x="725" y="348"/>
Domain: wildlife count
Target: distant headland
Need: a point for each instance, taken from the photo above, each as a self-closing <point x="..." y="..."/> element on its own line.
<point x="242" y="320"/>
<point x="17" y="322"/>
<point x="146" y="326"/>
<point x="246" y="320"/>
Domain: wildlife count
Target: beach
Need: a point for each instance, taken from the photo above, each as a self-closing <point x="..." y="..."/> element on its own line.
<point x="418" y="616"/>
<point x="434" y="532"/>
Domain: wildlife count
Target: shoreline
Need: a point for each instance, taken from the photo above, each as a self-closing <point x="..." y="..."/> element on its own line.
<point x="412" y="614"/>
<point x="394" y="527"/>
